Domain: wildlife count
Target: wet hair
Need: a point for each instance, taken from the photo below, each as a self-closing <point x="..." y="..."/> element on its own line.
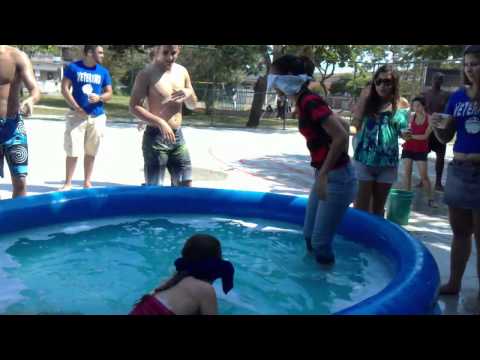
<point x="374" y="101"/>
<point x="474" y="50"/>
<point x="88" y="48"/>
<point x="198" y="247"/>
<point x="419" y="99"/>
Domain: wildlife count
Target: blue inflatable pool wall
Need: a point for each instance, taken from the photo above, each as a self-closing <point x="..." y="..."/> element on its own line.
<point x="413" y="289"/>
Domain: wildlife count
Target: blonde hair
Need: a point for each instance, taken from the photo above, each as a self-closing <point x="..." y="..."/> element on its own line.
<point x="403" y="103"/>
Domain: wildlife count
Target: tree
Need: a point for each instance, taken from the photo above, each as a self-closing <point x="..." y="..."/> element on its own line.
<point x="339" y="86"/>
<point x="42" y="49"/>
<point x="327" y="58"/>
<point x="260" y="89"/>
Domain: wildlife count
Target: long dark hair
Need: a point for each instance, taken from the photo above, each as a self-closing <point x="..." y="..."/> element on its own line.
<point x="374" y="101"/>
<point x="197" y="247"/>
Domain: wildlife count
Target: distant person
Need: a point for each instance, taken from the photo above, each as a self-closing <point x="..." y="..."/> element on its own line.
<point x="15" y="69"/>
<point x="415" y="148"/>
<point x="166" y="85"/>
<point x="436" y="99"/>
<point x="281" y="107"/>
<point x="462" y="187"/>
<point x="378" y="122"/>
<point x="334" y="185"/>
<point x="190" y="290"/>
<point x="91" y="86"/>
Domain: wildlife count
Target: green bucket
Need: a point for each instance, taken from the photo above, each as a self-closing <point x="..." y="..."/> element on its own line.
<point x="399" y="204"/>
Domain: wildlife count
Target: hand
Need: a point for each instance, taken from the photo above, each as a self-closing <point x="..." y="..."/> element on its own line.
<point x="94" y="98"/>
<point x="322" y="180"/>
<point x="26" y="107"/>
<point x="406" y="134"/>
<point x="167" y="133"/>
<point x="81" y="113"/>
<point x="440" y="121"/>
<point x="180" y="96"/>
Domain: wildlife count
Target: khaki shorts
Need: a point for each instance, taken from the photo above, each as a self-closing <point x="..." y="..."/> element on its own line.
<point x="83" y="135"/>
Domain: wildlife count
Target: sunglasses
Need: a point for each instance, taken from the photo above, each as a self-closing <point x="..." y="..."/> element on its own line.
<point x="386" y="82"/>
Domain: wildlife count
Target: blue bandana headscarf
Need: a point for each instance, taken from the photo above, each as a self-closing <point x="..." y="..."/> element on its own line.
<point x="209" y="269"/>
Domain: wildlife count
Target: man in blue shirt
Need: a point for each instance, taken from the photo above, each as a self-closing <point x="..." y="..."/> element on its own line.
<point x="85" y="123"/>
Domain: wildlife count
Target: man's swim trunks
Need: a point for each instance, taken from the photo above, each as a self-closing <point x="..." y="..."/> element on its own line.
<point x="14" y="146"/>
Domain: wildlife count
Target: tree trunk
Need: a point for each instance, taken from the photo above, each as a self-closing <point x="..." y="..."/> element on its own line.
<point x="325" y="91"/>
<point x="210" y="99"/>
<point x="258" y="102"/>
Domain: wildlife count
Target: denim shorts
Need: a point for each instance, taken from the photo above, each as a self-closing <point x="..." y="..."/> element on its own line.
<point x="380" y="174"/>
<point x="462" y="188"/>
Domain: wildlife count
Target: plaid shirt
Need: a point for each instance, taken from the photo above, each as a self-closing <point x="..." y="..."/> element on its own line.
<point x="312" y="112"/>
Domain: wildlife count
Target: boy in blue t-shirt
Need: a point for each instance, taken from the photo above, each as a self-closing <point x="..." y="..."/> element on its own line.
<point x="85" y="123"/>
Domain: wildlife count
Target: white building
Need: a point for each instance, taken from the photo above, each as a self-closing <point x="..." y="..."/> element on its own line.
<point x="48" y="71"/>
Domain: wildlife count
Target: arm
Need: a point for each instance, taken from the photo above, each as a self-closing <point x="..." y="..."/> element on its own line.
<point x="424" y="136"/>
<point x="107" y="94"/>
<point x="139" y="93"/>
<point x="208" y="301"/>
<point x="192" y="100"/>
<point x="186" y="95"/>
<point x="28" y="78"/>
<point x="443" y="135"/>
<point x="359" y="108"/>
<point x="334" y="127"/>
<point x="66" y="86"/>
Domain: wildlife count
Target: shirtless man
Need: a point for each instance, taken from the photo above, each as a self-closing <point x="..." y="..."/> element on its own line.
<point x="436" y="99"/>
<point x="15" y="68"/>
<point x="166" y="86"/>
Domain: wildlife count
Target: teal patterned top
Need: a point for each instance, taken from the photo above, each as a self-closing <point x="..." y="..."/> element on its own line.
<point x="378" y="139"/>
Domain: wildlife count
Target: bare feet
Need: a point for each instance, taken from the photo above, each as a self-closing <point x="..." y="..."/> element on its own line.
<point x="432" y="204"/>
<point x="439" y="187"/>
<point x="66" y="187"/>
<point x="87" y="185"/>
<point x="449" y="289"/>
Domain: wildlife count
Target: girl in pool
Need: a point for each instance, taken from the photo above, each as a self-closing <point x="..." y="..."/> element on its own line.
<point x="189" y="291"/>
<point x="326" y="134"/>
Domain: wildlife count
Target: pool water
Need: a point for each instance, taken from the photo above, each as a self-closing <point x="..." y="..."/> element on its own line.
<point x="104" y="266"/>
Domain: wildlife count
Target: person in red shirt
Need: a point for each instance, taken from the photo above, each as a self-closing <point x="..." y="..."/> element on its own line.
<point x="416" y="148"/>
<point x="189" y="291"/>
<point x="326" y="134"/>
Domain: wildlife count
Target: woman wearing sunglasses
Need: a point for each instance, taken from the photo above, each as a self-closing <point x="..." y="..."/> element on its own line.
<point x="326" y="135"/>
<point x="379" y="122"/>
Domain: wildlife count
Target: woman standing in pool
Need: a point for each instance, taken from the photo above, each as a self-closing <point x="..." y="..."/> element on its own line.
<point x="379" y="123"/>
<point x="190" y="290"/>
<point x="462" y="188"/>
<point x="327" y="140"/>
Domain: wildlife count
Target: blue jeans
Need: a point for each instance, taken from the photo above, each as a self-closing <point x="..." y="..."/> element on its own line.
<point x="323" y="216"/>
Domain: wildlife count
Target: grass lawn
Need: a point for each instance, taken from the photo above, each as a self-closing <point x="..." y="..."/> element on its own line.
<point x="117" y="108"/>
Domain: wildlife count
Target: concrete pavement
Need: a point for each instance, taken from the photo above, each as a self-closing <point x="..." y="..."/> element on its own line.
<point x="246" y="159"/>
